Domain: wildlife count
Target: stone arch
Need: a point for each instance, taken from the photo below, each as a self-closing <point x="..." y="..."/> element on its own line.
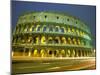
<point x="35" y="53"/>
<point x="57" y="40"/>
<point x="33" y="28"/>
<point x="36" y="40"/>
<point x="38" y="28"/>
<point x="51" y="29"/>
<point x="77" y="53"/>
<point x="63" y="40"/>
<point x="50" y="53"/>
<point x="30" y="39"/>
<point x="62" y="30"/>
<point x="69" y="40"/>
<point x="42" y="53"/>
<point x="50" y="40"/>
<point x="84" y="53"/>
<point x="57" y="29"/>
<point x="43" y="40"/>
<point x="74" y="41"/>
<point x="62" y="53"/>
<point x="44" y="28"/>
<point x="78" y="41"/>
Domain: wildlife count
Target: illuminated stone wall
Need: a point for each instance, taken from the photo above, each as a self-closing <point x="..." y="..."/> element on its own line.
<point x="50" y="34"/>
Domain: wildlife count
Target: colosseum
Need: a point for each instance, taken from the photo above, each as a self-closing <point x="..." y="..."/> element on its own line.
<point x="51" y="34"/>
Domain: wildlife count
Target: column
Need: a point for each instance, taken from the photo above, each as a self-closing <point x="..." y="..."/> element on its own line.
<point x="29" y="53"/>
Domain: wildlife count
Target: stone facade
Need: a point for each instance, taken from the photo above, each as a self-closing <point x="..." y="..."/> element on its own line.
<point x="51" y="34"/>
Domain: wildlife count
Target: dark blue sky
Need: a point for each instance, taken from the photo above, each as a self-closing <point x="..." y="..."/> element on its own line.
<point x="84" y="12"/>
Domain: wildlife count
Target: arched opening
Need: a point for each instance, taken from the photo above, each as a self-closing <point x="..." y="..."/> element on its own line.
<point x="44" y="29"/>
<point x="62" y="53"/>
<point x="74" y="41"/>
<point x="62" y="30"/>
<point x="50" y="40"/>
<point x="30" y="39"/>
<point x="79" y="53"/>
<point x="56" y="40"/>
<point x="42" y="53"/>
<point x="50" y="29"/>
<point x="82" y="53"/>
<point x="38" y="28"/>
<point x="57" y="29"/>
<point x="78" y="41"/>
<point x="35" y="53"/>
<point x="51" y="53"/>
<point x="36" y="40"/>
<point x="69" y="40"/>
<point x="43" y="40"/>
<point x="63" y="40"/>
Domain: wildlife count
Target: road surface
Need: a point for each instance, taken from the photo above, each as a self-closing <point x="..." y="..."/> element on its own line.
<point x="38" y="65"/>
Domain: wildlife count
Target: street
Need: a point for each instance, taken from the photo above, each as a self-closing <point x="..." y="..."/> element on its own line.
<point x="52" y="65"/>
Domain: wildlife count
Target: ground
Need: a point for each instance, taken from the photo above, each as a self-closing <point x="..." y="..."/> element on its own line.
<point x="37" y="65"/>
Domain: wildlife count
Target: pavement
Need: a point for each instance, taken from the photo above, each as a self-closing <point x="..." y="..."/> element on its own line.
<point x="38" y="65"/>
